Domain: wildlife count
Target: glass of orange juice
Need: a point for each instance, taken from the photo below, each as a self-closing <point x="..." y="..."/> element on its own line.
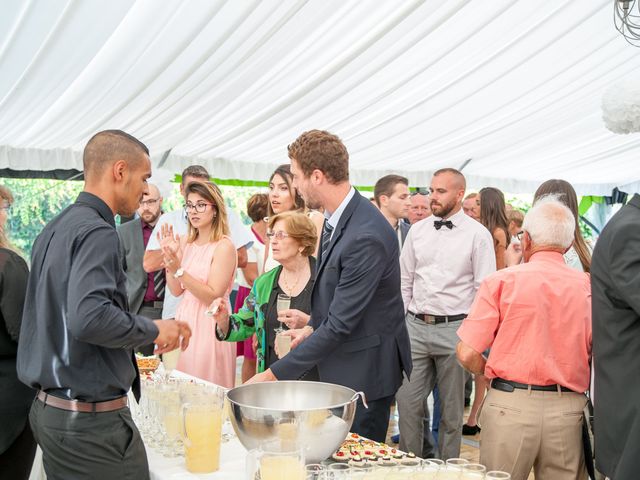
<point x="202" y="428"/>
<point x="275" y="465"/>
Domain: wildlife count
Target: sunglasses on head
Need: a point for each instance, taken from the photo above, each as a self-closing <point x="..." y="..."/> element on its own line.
<point x="420" y="191"/>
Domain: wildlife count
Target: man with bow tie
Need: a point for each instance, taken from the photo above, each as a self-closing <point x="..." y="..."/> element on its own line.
<point x="444" y="259"/>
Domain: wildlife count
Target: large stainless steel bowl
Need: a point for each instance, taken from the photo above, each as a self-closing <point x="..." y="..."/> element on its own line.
<point x="287" y="415"/>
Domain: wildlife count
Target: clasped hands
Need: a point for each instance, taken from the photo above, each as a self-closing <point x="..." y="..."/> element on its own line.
<point x="170" y="246"/>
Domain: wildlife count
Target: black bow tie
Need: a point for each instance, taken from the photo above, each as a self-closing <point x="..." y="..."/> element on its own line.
<point x="440" y="223"/>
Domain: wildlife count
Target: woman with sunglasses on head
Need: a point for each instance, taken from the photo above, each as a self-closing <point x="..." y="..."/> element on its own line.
<point x="284" y="197"/>
<point x="201" y="268"/>
<point x="17" y="445"/>
<point x="293" y="239"/>
<point x="579" y="255"/>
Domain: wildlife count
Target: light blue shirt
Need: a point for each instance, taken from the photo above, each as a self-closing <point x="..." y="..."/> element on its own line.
<point x="334" y="217"/>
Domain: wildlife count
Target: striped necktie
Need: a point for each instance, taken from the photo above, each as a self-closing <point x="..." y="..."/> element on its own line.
<point x="327" y="229"/>
<point x="158" y="284"/>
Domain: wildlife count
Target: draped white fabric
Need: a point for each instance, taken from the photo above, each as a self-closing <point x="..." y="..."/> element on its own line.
<point x="410" y="86"/>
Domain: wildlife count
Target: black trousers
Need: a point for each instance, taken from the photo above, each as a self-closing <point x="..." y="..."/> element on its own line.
<point x="373" y="422"/>
<point x="17" y="460"/>
<point x="88" y="446"/>
<point x="153" y="314"/>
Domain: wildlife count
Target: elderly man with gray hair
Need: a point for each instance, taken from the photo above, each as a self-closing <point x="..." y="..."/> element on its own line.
<point x="536" y="318"/>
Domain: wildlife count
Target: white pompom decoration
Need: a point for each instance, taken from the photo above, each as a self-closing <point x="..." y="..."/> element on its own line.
<point x="621" y="107"/>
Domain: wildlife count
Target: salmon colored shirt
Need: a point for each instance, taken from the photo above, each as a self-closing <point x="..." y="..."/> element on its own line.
<point x="536" y="318"/>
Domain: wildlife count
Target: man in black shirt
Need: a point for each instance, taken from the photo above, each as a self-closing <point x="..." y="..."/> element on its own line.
<point x="77" y="337"/>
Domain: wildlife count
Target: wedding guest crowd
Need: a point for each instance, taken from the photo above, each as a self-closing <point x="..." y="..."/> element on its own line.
<point x="392" y="297"/>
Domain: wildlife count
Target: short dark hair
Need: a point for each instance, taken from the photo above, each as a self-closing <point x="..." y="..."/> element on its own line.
<point x="321" y="150"/>
<point x="197" y="171"/>
<point x="452" y="171"/>
<point x="257" y="206"/>
<point x="106" y="147"/>
<point x="386" y="186"/>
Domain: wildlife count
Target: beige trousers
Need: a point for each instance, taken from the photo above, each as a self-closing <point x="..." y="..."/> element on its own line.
<point x="527" y="429"/>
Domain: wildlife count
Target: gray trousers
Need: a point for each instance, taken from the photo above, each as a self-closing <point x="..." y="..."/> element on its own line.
<point x="89" y="446"/>
<point x="434" y="360"/>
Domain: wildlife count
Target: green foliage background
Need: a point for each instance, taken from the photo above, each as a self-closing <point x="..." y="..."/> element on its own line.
<point x="36" y="202"/>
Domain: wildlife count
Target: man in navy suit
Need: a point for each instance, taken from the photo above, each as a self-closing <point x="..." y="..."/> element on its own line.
<point x="357" y="336"/>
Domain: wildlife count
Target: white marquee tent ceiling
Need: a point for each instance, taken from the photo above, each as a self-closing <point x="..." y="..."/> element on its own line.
<point x="410" y="86"/>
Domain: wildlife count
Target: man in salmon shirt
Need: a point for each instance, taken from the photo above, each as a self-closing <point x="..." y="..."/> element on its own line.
<point x="536" y="318"/>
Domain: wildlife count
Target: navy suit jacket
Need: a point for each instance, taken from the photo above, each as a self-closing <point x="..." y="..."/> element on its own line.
<point x="360" y="338"/>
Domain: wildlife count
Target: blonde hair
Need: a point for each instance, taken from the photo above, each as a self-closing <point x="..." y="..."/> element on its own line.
<point x="210" y="192"/>
<point x="299" y="227"/>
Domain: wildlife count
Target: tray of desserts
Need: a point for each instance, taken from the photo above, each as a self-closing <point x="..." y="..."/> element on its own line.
<point x="358" y="451"/>
<point x="147" y="364"/>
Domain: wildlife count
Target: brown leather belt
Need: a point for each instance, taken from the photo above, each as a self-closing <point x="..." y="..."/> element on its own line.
<point x="435" y="319"/>
<point x="78" y="406"/>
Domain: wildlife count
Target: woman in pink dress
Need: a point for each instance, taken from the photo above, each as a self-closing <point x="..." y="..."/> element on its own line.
<point x="201" y="268"/>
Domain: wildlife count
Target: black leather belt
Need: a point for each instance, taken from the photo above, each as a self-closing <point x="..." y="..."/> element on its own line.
<point x="509" y="386"/>
<point x="155" y="304"/>
<point x="435" y="319"/>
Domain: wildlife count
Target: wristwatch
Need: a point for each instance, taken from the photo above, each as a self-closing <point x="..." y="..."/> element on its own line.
<point x="178" y="273"/>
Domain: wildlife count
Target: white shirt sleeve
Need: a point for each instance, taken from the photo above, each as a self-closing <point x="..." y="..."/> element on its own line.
<point x="407" y="270"/>
<point x="240" y="234"/>
<point x="484" y="258"/>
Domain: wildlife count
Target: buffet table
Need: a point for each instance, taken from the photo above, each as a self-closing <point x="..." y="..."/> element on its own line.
<point x="232" y="464"/>
<point x="232" y="457"/>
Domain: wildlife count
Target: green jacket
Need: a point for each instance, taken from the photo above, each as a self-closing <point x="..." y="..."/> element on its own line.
<point x="250" y="318"/>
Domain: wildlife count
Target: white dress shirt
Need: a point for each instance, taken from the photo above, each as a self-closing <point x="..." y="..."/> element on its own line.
<point x="240" y="235"/>
<point x="441" y="270"/>
<point x="334" y="218"/>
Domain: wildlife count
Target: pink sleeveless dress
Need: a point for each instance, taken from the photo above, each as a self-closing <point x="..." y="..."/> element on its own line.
<point x="206" y="357"/>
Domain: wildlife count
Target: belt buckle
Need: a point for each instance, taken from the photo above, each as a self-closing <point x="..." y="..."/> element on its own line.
<point x="429" y="319"/>
<point x="157" y="305"/>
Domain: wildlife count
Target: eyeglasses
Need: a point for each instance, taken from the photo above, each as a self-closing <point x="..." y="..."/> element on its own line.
<point x="279" y="234"/>
<point x="149" y="203"/>
<point x="198" y="207"/>
<point x="519" y="235"/>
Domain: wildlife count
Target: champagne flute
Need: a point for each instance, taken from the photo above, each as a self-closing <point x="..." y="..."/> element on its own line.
<point x="283" y="303"/>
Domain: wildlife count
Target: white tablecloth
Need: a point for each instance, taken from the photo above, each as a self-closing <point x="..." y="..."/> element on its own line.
<point x="232" y="465"/>
<point x="232" y="457"/>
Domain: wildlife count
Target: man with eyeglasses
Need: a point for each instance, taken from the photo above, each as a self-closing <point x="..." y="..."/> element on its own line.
<point x="240" y="235"/>
<point x="145" y="291"/>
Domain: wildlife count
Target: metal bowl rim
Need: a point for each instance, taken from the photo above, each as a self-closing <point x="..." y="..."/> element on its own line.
<point x="288" y="409"/>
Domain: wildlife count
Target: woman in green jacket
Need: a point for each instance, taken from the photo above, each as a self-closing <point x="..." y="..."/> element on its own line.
<point x="293" y="238"/>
